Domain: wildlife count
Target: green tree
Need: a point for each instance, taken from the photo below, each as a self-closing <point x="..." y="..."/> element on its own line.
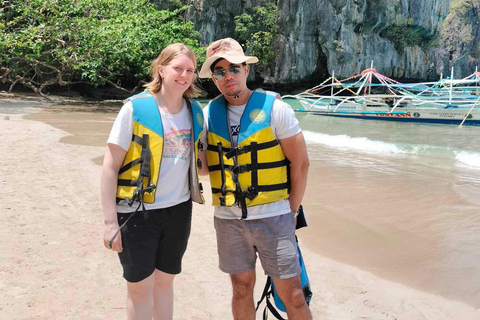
<point x="256" y="32"/>
<point x="96" y="42"/>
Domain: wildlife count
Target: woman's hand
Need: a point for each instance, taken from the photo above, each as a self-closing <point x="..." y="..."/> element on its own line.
<point x="109" y="233"/>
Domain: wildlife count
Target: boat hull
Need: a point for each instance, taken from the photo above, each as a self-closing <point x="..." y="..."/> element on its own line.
<point x="409" y="116"/>
<point x="454" y="115"/>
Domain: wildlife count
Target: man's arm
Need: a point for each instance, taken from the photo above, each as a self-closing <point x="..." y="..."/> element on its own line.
<point x="295" y="150"/>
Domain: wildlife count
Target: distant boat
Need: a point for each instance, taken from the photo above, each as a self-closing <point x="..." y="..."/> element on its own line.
<point x="375" y="96"/>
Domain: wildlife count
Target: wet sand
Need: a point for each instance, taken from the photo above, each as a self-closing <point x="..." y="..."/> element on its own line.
<point x="75" y="138"/>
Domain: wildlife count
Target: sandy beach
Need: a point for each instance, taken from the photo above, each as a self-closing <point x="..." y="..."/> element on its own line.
<point x="54" y="266"/>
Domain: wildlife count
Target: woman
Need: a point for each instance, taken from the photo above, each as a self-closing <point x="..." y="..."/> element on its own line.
<point x="149" y="180"/>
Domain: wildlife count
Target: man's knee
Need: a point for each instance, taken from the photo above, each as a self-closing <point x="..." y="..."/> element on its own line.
<point x="295" y="299"/>
<point x="243" y="286"/>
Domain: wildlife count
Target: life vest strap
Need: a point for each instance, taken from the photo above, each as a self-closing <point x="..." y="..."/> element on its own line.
<point x="130" y="165"/>
<point x="230" y="153"/>
<point x="248" y="148"/>
<point x="127" y="183"/>
<point x="214" y="148"/>
<point x="248" y="167"/>
<point x="133" y="163"/>
<point x="264" y="188"/>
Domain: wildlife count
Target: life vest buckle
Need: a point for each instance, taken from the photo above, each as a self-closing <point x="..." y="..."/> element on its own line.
<point x="241" y="169"/>
<point x="252" y="192"/>
<point x="237" y="151"/>
<point x="222" y="201"/>
<point x="150" y="188"/>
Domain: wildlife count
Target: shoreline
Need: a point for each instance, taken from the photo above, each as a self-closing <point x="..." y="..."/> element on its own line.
<point x="202" y="292"/>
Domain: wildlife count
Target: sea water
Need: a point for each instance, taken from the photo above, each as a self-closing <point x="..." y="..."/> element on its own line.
<point x="400" y="200"/>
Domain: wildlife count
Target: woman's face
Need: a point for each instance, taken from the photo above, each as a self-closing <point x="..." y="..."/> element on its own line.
<point x="177" y="76"/>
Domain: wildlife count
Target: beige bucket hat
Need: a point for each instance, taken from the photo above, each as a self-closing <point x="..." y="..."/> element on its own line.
<point x="228" y="49"/>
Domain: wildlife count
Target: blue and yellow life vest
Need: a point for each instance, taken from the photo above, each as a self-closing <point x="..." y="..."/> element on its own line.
<point x="138" y="176"/>
<point x="256" y="171"/>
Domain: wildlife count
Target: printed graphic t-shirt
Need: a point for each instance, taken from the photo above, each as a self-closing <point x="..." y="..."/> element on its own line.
<point x="173" y="187"/>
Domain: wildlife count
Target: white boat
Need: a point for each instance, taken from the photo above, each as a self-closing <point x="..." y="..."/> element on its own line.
<point x="446" y="101"/>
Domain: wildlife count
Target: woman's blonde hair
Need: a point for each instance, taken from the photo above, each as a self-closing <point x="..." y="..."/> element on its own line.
<point x="168" y="54"/>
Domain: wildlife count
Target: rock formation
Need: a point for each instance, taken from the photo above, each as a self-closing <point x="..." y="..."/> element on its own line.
<point x="405" y="39"/>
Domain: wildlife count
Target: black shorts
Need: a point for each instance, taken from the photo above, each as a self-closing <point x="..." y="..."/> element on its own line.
<point x="157" y="242"/>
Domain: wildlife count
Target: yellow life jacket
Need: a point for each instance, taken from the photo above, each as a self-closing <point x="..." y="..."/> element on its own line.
<point x="138" y="176"/>
<point x="256" y="171"/>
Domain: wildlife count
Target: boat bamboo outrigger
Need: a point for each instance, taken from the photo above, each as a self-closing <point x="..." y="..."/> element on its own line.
<point x="371" y="95"/>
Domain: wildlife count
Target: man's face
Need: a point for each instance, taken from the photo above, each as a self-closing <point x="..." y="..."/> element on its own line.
<point x="230" y="78"/>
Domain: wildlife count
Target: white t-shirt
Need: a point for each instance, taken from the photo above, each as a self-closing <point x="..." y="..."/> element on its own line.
<point x="173" y="185"/>
<point x="284" y="125"/>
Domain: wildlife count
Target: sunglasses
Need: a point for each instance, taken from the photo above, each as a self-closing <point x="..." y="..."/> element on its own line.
<point x="219" y="74"/>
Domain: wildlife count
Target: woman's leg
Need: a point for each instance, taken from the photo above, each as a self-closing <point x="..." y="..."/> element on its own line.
<point x="139" y="298"/>
<point x="163" y="296"/>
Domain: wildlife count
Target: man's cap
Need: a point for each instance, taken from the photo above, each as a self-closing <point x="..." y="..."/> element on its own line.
<point x="228" y="49"/>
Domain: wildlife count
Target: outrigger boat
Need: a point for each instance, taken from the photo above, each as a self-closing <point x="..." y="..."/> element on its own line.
<point x="375" y="96"/>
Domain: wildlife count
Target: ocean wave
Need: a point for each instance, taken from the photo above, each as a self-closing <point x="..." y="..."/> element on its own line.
<point x="365" y="145"/>
<point x="471" y="159"/>
<point x="351" y="143"/>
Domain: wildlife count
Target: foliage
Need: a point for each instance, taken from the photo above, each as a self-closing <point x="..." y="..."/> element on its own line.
<point x="408" y="35"/>
<point x="256" y="32"/>
<point x="86" y="41"/>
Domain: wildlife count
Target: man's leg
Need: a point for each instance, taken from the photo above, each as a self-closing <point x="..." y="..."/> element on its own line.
<point x="139" y="299"/>
<point x="243" y="307"/>
<point x="163" y="296"/>
<point x="290" y="291"/>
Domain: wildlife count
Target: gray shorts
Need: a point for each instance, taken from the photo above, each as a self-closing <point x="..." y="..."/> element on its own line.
<point x="238" y="242"/>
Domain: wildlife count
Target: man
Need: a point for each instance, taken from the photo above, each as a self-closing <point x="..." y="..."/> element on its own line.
<point x="258" y="164"/>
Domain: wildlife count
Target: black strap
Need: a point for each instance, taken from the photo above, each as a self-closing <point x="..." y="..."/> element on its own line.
<point x="222" y="174"/>
<point x="137" y="139"/>
<point x="146" y="155"/>
<point x="127" y="183"/>
<point x="212" y="147"/>
<point x="230" y="153"/>
<point x="133" y="163"/>
<point x="130" y="165"/>
<point x="272" y="310"/>
<point x="254" y="164"/>
<point x="248" y="167"/>
<point x="273" y="187"/>
<point x="248" y="148"/>
<point x="218" y="167"/>
<point x="264" y="188"/>
<point x="267" y="292"/>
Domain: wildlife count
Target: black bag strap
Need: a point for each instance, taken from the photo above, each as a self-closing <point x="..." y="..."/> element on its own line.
<point x="267" y="292"/>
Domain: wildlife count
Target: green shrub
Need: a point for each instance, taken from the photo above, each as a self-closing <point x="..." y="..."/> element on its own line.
<point x="256" y="32"/>
<point x="96" y="42"/>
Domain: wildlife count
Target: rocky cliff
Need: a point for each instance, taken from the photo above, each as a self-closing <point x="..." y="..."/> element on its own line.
<point x="405" y="39"/>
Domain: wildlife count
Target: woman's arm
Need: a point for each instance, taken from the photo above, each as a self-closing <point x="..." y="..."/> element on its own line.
<point x="112" y="162"/>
